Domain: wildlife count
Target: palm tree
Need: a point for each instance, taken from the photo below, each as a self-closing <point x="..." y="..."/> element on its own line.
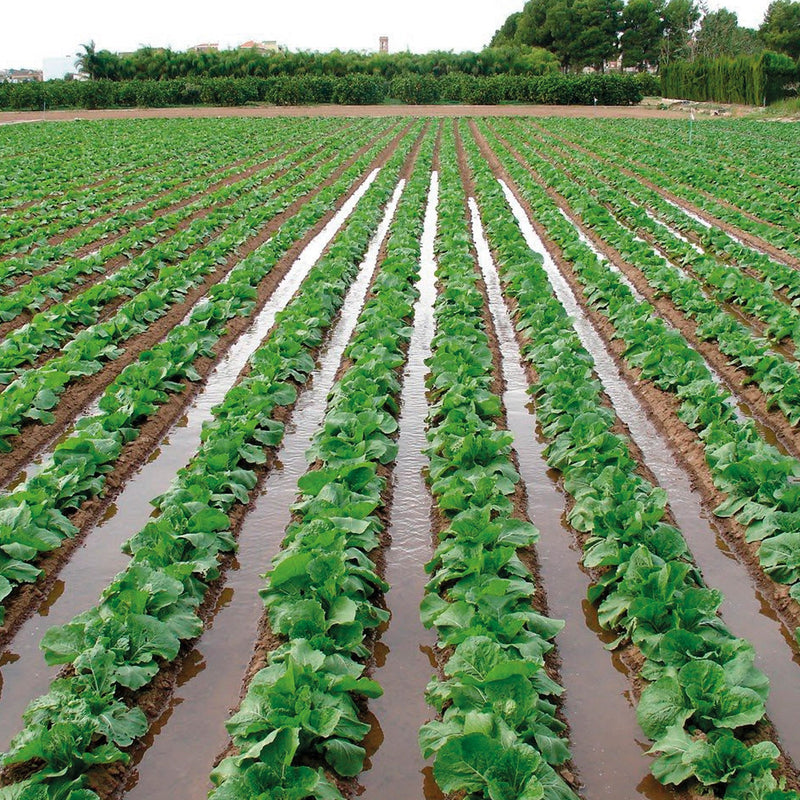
<point x="87" y="61"/>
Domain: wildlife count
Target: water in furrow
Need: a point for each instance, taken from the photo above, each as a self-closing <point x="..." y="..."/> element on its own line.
<point x="597" y="695"/>
<point x="23" y="671"/>
<point x="183" y="742"/>
<point x="745" y="610"/>
<point x="404" y="654"/>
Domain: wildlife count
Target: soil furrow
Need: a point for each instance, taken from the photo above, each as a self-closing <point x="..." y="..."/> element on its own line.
<point x="665" y="452"/>
<point x="139" y="455"/>
<point x="80" y="393"/>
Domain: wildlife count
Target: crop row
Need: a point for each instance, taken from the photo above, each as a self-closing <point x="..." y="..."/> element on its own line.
<point x="776" y="376"/>
<point x="729" y="283"/>
<point x="757" y="479"/>
<point x="47" y="164"/>
<point x="731" y="176"/>
<point x="166" y="273"/>
<point x="48" y="329"/>
<point x="119" y="646"/>
<point x="322" y="591"/>
<point x="704" y="692"/>
<point x="81" y="204"/>
<point x="725" y="208"/>
<point x="173" y="204"/>
<point x="498" y="735"/>
<point x="35" y="518"/>
<point x="50" y="285"/>
<point x="781" y="278"/>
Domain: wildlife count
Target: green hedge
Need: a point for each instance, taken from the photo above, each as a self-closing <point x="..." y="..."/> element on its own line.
<point x="748" y="79"/>
<point x="556" y="88"/>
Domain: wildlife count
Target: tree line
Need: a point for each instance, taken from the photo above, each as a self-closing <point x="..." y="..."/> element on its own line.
<point x="151" y="63"/>
<point x="552" y="88"/>
<point x="647" y="33"/>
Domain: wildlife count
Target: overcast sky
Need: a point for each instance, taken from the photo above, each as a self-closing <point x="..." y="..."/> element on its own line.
<point x="49" y="28"/>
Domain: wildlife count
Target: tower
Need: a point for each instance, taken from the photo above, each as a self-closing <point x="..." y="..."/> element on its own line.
<point x="383" y="44"/>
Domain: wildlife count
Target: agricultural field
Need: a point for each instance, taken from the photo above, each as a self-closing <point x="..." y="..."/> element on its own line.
<point x="400" y="458"/>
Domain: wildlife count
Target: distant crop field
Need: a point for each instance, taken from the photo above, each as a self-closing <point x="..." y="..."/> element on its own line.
<point x="399" y="457"/>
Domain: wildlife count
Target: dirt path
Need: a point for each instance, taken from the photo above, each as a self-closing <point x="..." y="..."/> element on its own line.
<point x="198" y="112"/>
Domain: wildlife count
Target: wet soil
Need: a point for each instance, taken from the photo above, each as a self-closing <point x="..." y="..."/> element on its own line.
<point x="404" y="658"/>
<point x="746" y="613"/>
<point x="174" y="757"/>
<point x="26" y="599"/>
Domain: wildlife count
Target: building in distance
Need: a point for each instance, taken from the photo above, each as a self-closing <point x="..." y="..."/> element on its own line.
<point x="262" y="47"/>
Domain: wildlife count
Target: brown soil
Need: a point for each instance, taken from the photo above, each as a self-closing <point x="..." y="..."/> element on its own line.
<point x="654" y="401"/>
<point x="615" y="112"/>
<point x="748" y="238"/>
<point x="685" y="444"/>
<point x="24" y="600"/>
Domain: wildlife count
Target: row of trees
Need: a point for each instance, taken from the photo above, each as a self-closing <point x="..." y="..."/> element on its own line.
<point x="149" y="63"/>
<point x="747" y="79"/>
<point x="553" y="88"/>
<point x="647" y="32"/>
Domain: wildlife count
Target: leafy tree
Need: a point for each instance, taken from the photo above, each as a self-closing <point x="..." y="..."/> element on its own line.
<point x="780" y="30"/>
<point x="720" y="35"/>
<point x="595" y="24"/>
<point x="506" y="33"/>
<point x="680" y="21"/>
<point x="642" y="28"/>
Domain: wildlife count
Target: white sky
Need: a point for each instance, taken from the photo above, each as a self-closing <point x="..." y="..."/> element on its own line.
<point x="52" y="28"/>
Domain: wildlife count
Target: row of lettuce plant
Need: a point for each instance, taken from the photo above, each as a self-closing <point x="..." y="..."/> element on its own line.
<point x="45" y="163"/>
<point x="703" y="693"/>
<point x="177" y="203"/>
<point x="759" y="190"/>
<point x="50" y="328"/>
<point x="781" y="277"/>
<point x="35" y="393"/>
<point x="121" y="227"/>
<point x="759" y="193"/>
<point x="723" y="208"/>
<point x="498" y="734"/>
<point x="151" y="172"/>
<point x="24" y="229"/>
<point x="756" y="478"/>
<point x="53" y="284"/>
<point x="777" y="376"/>
<point x="322" y="594"/>
<point x="730" y="284"/>
<point x="35" y="515"/>
<point x="118" y="647"/>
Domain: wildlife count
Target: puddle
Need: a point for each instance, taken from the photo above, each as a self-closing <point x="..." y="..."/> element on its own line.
<point x="93" y="565"/>
<point x="191" y="731"/>
<point x="744" y="609"/>
<point x="404" y="653"/>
